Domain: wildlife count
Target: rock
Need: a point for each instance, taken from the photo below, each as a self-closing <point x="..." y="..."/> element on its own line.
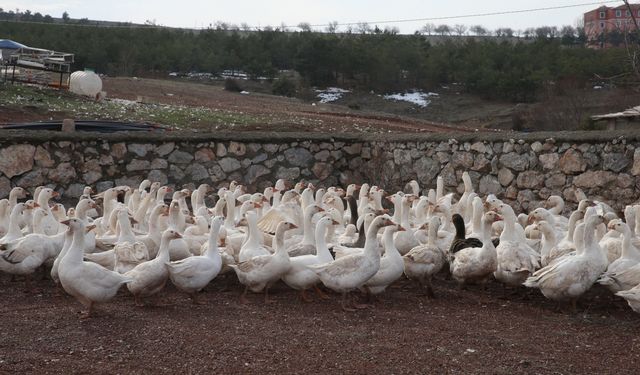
<point x="426" y="169"/>
<point x="217" y="174"/>
<point x="140" y="149"/>
<point x="205" y="155"/>
<point x="180" y="157"/>
<point x="481" y="164"/>
<point x="158" y="176"/>
<point x="43" y="158"/>
<point x="505" y="176"/>
<point x="549" y="161"/>
<point x="16" y="159"/>
<point x="322" y="170"/>
<point x="449" y="177"/>
<point x="514" y="161"/>
<point x="221" y="150"/>
<point x="5" y="187"/>
<point x="462" y="160"/>
<point x="536" y="147"/>
<point x="555" y="181"/>
<point x="91" y="177"/>
<point x="74" y="191"/>
<point x="572" y="162"/>
<point x="271" y="148"/>
<point x="118" y="150"/>
<point x="176" y="173"/>
<point x="402" y="157"/>
<point x="132" y="181"/>
<point x="323" y="155"/>
<point x="229" y="164"/>
<point x="63" y="174"/>
<point x="165" y="149"/>
<point x="479" y="147"/>
<point x="159" y="163"/>
<point x="254" y="172"/>
<point x="105" y="160"/>
<point x="507" y="147"/>
<point x="443" y="157"/>
<point x="259" y="158"/>
<point x="237" y="148"/>
<point x="526" y="198"/>
<point x="353" y="149"/>
<point x="288" y="173"/>
<point x="615" y="162"/>
<point x="197" y="172"/>
<point x="138" y="165"/>
<point x="591" y="179"/>
<point x="625" y="181"/>
<point x="530" y="180"/>
<point x="32" y="179"/>
<point x="104" y="185"/>
<point x="298" y="157"/>
<point x="489" y="185"/>
<point x="511" y="192"/>
<point x="635" y="170"/>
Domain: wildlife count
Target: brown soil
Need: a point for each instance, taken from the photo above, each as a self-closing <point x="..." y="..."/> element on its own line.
<point x="284" y="114"/>
<point x="460" y="332"/>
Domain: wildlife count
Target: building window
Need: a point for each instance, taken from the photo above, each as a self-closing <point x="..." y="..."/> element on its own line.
<point x="618" y="13"/>
<point x="602" y="14"/>
<point x="628" y="13"/>
<point x="602" y="25"/>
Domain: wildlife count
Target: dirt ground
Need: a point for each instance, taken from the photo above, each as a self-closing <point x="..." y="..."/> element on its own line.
<point x="460" y="332"/>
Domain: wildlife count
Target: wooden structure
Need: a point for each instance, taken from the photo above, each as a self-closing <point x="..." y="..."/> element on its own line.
<point x="627" y="119"/>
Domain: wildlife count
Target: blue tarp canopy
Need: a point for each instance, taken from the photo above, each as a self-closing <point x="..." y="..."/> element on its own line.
<point x="10" y="44"/>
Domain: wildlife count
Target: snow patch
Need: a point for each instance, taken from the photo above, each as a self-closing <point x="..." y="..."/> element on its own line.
<point x="331" y="94"/>
<point x="418" y="98"/>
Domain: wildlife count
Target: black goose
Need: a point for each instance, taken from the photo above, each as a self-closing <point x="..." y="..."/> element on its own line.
<point x="460" y="242"/>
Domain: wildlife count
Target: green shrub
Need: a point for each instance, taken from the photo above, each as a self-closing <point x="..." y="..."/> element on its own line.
<point x="284" y="86"/>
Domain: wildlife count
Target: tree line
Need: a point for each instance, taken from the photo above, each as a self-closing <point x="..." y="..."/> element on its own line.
<point x="368" y="58"/>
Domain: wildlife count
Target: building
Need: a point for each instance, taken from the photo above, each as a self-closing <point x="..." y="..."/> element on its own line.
<point x="605" y="20"/>
<point x="625" y="120"/>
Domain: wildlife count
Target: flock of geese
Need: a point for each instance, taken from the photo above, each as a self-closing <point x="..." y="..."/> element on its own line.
<point x="343" y="239"/>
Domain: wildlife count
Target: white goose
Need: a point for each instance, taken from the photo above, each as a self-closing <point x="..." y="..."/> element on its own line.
<point x="477" y="264"/>
<point x="516" y="260"/>
<point x="259" y="272"/>
<point x="391" y="264"/>
<point x="299" y="276"/>
<point x="352" y="271"/>
<point x="88" y="282"/>
<point x="424" y="261"/>
<point x="194" y="273"/>
<point x="150" y="277"/>
<point x="306" y="245"/>
<point x="571" y="276"/>
<point x="622" y="273"/>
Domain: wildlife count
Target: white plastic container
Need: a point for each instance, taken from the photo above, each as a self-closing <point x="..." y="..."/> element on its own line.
<point x="85" y="83"/>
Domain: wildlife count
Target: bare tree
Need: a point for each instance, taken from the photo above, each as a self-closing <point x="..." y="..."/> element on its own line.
<point x="479" y="30"/>
<point x="428" y="28"/>
<point x="332" y="27"/>
<point x="363" y="28"/>
<point x="443" y="30"/>
<point x="460" y="29"/>
<point x="245" y="26"/>
<point x="304" y="26"/>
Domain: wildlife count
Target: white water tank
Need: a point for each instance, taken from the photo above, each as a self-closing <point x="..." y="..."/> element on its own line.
<point x="85" y="83"/>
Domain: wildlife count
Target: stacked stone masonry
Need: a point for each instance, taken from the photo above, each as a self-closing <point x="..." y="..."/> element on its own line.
<point x="521" y="169"/>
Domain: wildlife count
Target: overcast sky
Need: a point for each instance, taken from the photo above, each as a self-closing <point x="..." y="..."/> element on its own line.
<point x="201" y="13"/>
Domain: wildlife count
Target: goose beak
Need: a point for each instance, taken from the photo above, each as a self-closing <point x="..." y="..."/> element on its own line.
<point x="177" y="235"/>
<point x="35" y="205"/>
<point x="334" y="222"/>
<point x="55" y="194"/>
<point x="293" y="226"/>
<point x="320" y="209"/>
<point x="401" y="228"/>
<point x="498" y="217"/>
<point x="530" y="219"/>
<point x="65" y="222"/>
<point x="169" y="190"/>
<point x="264" y="199"/>
<point x="90" y="228"/>
<point x="276" y="190"/>
<point x="134" y="221"/>
<point x="257" y="205"/>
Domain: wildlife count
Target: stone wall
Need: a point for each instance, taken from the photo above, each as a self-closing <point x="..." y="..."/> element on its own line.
<point x="521" y="168"/>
